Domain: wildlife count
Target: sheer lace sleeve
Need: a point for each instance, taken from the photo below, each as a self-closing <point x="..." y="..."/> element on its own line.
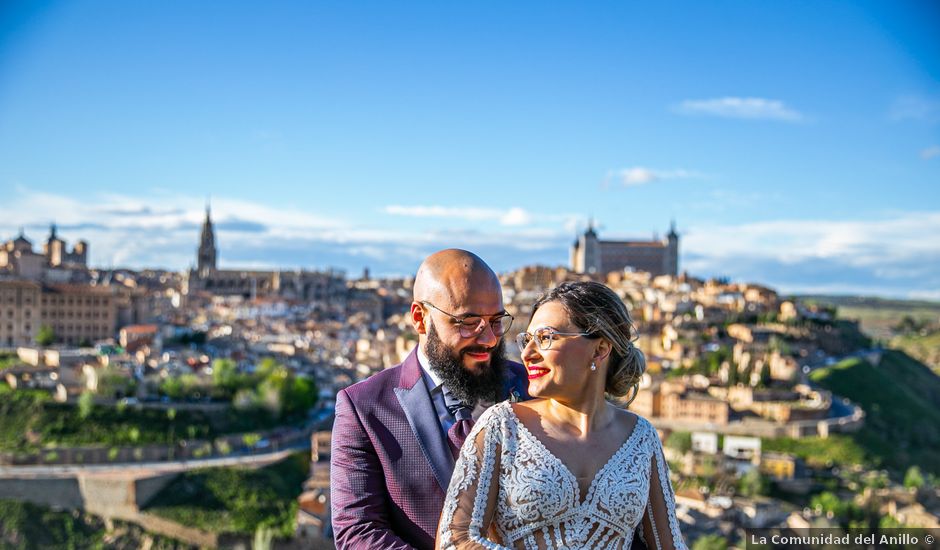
<point x="659" y="528"/>
<point x="467" y="518"/>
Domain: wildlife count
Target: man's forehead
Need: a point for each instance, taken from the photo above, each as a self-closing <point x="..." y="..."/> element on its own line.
<point x="476" y="298"/>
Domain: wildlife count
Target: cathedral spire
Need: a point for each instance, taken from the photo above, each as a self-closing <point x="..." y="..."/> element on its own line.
<point x="206" y="255"/>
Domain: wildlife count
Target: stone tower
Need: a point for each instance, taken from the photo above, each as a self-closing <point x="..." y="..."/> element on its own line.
<point x="585" y="253"/>
<point x="205" y="257"/>
<point x="671" y="259"/>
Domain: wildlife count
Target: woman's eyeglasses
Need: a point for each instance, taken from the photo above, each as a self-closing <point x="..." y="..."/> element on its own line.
<point x="543" y="338"/>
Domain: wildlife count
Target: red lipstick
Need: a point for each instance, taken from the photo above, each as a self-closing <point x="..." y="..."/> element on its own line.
<point x="537" y="372"/>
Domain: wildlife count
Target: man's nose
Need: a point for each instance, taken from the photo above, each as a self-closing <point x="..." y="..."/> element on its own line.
<point x="487" y="336"/>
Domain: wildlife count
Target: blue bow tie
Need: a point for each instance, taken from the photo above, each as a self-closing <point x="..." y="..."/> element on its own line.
<point x="459" y="409"/>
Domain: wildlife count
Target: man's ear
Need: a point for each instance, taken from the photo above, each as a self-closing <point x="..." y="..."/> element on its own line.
<point x="417" y="318"/>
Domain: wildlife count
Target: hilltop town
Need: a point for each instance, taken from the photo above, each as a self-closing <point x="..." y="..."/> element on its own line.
<point x="149" y="374"/>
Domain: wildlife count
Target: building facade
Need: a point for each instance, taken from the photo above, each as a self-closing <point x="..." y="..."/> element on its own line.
<point x="77" y="314"/>
<point x="19" y="312"/>
<point x="327" y="288"/>
<point x="56" y="262"/>
<point x="589" y="254"/>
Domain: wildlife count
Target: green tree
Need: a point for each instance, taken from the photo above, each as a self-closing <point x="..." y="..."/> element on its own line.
<point x="680" y="441"/>
<point x="113" y="383"/>
<point x="86" y="403"/>
<point x="732" y="375"/>
<point x="876" y="479"/>
<point x="46" y="336"/>
<point x="913" y="479"/>
<point x="765" y="374"/>
<point x="225" y="374"/>
<point x="710" y="542"/>
<point x="300" y="395"/>
<point x="827" y="503"/>
<point x="172" y="387"/>
<point x="778" y="344"/>
<point x="890" y="522"/>
<point x="752" y="484"/>
<point x="283" y="393"/>
<point x="266" y="367"/>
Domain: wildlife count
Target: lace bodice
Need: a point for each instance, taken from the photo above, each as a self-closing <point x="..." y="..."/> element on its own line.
<point x="506" y="479"/>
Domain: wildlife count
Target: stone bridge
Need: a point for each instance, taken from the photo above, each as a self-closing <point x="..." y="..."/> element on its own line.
<point x="118" y="491"/>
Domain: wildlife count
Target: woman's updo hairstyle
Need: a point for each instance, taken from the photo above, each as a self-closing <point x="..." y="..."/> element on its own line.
<point x="597" y="310"/>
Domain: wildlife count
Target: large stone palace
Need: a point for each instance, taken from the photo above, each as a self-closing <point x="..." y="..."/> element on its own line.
<point x="589" y="254"/>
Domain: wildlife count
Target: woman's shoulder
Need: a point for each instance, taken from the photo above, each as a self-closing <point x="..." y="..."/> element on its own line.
<point x="635" y="423"/>
<point x="496" y="414"/>
<point x="498" y="421"/>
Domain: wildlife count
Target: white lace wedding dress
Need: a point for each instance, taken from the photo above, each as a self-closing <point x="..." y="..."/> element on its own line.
<point x="506" y="476"/>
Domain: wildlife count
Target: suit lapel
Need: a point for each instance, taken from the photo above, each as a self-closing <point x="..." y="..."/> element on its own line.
<point x="415" y="400"/>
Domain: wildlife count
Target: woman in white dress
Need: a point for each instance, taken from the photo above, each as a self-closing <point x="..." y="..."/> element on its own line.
<point x="568" y="469"/>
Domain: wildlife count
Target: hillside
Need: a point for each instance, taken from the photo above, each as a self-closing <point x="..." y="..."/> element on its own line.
<point x="878" y="317"/>
<point x="901" y="397"/>
<point x="924" y="347"/>
<point x="236" y="500"/>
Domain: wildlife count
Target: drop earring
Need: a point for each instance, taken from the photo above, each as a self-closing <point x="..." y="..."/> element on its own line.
<point x="593" y="366"/>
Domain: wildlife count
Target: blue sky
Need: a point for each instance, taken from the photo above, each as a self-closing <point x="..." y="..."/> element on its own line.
<point x="795" y="143"/>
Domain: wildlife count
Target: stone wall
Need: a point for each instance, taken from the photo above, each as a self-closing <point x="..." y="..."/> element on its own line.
<point x="55" y="492"/>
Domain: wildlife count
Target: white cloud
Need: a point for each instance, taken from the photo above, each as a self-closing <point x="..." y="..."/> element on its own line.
<point x="755" y="108"/>
<point x="888" y="255"/>
<point x="932" y="295"/>
<point x="640" y="175"/>
<point x="126" y="230"/>
<point x="515" y="217"/>
<point x="511" y="217"/>
<point x="872" y="244"/>
<point x="930" y="152"/>
<point x="914" y="107"/>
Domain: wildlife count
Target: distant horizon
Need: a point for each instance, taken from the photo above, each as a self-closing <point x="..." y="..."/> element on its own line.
<point x="352" y="274"/>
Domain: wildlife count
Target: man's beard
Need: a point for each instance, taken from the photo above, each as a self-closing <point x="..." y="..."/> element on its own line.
<point x="465" y="385"/>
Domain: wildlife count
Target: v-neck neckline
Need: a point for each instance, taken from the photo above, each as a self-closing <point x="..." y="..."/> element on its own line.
<point x="574" y="478"/>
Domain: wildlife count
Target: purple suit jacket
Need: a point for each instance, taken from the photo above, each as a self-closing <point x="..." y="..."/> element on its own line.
<point x="390" y="464"/>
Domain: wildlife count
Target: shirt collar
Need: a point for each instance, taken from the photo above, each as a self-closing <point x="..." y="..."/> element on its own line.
<point x="427" y="372"/>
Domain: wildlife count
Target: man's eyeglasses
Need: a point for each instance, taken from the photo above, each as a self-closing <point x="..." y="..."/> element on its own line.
<point x="543" y="338"/>
<point x="473" y="325"/>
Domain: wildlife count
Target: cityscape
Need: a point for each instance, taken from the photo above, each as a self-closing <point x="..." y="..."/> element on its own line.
<point x="126" y="394"/>
<point x="212" y="218"/>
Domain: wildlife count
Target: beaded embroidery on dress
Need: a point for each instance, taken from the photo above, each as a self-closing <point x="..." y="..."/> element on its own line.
<point x="538" y="500"/>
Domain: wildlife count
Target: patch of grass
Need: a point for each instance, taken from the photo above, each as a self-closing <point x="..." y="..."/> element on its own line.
<point x="923" y="347"/>
<point x="878" y="316"/>
<point x="30" y="420"/>
<point x="900" y="398"/>
<point x="26" y="526"/>
<point x="8" y="360"/>
<point x="820" y="452"/>
<point x="236" y="500"/>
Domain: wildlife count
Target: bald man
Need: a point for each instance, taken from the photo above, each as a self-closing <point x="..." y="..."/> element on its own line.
<point x="396" y="433"/>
